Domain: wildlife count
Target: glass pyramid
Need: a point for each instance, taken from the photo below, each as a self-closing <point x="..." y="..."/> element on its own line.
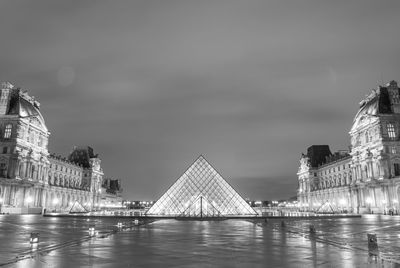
<point x="77" y="208"/>
<point x="201" y="192"/>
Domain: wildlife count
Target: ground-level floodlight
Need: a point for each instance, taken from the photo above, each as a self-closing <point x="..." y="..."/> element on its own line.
<point x="136" y="221"/>
<point x="92" y="231"/>
<point x="342" y="201"/>
<point x="368" y="200"/>
<point x="34" y="238"/>
<point x="55" y="201"/>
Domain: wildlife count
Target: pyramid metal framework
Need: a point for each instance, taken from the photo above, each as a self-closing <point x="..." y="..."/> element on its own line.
<point x="201" y="192"/>
<point x="77" y="208"/>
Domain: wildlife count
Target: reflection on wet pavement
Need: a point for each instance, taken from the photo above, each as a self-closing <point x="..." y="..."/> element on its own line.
<point x="231" y="243"/>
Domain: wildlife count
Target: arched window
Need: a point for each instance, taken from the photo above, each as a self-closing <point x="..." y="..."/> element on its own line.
<point x="391" y="131"/>
<point x="8" y="131"/>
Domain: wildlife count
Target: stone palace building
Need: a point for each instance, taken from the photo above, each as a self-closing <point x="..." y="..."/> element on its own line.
<point x="32" y="179"/>
<point x="365" y="179"/>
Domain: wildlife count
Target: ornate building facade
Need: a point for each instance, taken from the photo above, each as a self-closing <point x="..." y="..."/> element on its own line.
<point x="365" y="179"/>
<point x="31" y="179"/>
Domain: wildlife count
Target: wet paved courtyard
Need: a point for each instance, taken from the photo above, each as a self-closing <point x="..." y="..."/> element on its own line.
<point x="170" y="243"/>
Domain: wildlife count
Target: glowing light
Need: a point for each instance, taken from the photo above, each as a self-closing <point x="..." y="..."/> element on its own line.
<point x="394" y="201"/>
<point x="29" y="199"/>
<point x="55" y="201"/>
<point x="368" y="200"/>
<point x="383" y="201"/>
<point x="1" y="200"/>
<point x="342" y="201"/>
<point x="92" y="231"/>
<point x="34" y="238"/>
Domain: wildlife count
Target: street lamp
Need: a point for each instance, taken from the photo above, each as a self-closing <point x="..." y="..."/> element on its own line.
<point x="368" y="201"/>
<point x="342" y="203"/>
<point x="384" y="206"/>
<point x="395" y="202"/>
<point x="28" y="200"/>
<point x="1" y="203"/>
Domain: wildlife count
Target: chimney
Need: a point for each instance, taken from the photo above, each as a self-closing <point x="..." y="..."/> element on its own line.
<point x="393" y="91"/>
<point x="6" y="88"/>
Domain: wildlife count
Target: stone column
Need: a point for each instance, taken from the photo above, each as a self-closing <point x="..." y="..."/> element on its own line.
<point x="16" y="170"/>
<point x="44" y="200"/>
<point x="28" y="169"/>
<point x="371" y="169"/>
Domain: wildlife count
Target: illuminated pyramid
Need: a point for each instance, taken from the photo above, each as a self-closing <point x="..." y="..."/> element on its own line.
<point x="77" y="208"/>
<point x="201" y="192"/>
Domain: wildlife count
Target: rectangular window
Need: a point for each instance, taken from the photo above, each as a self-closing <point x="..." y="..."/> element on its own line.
<point x="396" y="169"/>
<point x="7" y="131"/>
<point x="393" y="150"/>
<point x="5" y="149"/>
<point x="3" y="170"/>
<point x="391" y="131"/>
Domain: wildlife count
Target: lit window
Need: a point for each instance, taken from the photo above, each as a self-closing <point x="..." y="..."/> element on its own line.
<point x="391" y="132"/>
<point x="7" y="131"/>
<point x="393" y="150"/>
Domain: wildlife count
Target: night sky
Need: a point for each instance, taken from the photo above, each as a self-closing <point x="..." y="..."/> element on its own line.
<point x="150" y="85"/>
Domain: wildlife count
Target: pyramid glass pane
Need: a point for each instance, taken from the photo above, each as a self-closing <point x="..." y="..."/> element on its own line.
<point x="77" y="208"/>
<point x="201" y="192"/>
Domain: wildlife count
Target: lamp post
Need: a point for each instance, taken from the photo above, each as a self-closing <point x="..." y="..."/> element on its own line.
<point x="384" y="206"/>
<point x="342" y="203"/>
<point x="260" y="204"/>
<point x="368" y="201"/>
<point x="1" y="203"/>
<point x="55" y="202"/>
<point x="28" y="200"/>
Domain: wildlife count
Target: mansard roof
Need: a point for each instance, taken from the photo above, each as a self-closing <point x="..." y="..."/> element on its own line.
<point x="376" y="103"/>
<point x="82" y="155"/>
<point x="317" y="154"/>
<point x="24" y="106"/>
